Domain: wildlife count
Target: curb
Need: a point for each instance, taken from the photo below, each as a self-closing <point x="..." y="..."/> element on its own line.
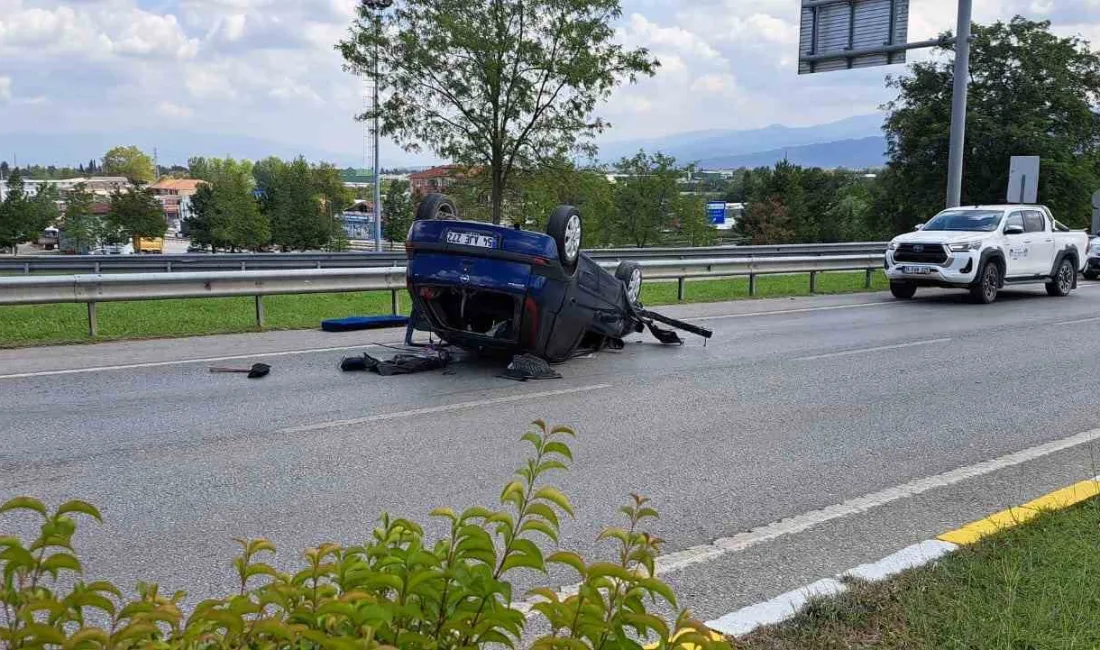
<point x="785" y="606"/>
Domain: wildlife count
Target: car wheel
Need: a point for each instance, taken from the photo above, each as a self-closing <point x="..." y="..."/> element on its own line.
<point x="1062" y="282"/>
<point x="436" y="206"/>
<point x="565" y="226"/>
<point x="630" y="274"/>
<point x="903" y="290"/>
<point x="984" y="290"/>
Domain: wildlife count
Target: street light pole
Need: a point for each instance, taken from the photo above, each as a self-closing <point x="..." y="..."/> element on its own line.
<point x="376" y="7"/>
<point x="958" y="105"/>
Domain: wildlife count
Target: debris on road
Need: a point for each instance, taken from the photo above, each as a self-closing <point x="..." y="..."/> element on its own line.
<point x="400" y="364"/>
<point x="255" y="372"/>
<point x="528" y="366"/>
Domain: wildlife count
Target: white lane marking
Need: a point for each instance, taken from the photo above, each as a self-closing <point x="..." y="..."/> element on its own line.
<point x="1076" y="322"/>
<point x="703" y="553"/>
<point x="785" y="606"/>
<point x="780" y="312"/>
<point x="157" y="364"/>
<point x="776" y="610"/>
<point x="441" y="409"/>
<point x="880" y="348"/>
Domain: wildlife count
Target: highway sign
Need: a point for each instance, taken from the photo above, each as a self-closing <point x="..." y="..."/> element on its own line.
<point x="1023" y="180"/>
<point x="845" y="34"/>
<point x="716" y="212"/>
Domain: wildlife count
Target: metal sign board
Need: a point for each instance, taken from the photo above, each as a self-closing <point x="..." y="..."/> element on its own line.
<point x="716" y="212"/>
<point x="845" y="34"/>
<point x="1023" y="180"/>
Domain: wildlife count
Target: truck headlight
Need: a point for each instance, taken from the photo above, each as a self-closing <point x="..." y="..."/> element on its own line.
<point x="892" y="246"/>
<point x="1094" y="249"/>
<point x="962" y="247"/>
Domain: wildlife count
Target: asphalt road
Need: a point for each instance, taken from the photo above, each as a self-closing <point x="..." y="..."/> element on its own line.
<point x="793" y="407"/>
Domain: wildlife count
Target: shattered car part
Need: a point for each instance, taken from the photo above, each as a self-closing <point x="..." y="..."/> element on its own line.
<point x="495" y="289"/>
<point x="399" y="364"/>
<point x="528" y="366"/>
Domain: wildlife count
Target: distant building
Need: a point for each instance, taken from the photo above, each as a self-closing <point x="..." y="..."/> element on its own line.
<point x="356" y="178"/>
<point x="100" y="186"/>
<point x="358" y="220"/>
<point x="175" y="195"/>
<point x="436" y="179"/>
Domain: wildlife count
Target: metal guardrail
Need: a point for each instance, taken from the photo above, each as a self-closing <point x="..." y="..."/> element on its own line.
<point x="96" y="288"/>
<point x="273" y="261"/>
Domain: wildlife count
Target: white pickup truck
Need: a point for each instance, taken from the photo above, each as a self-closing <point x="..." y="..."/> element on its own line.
<point x="984" y="248"/>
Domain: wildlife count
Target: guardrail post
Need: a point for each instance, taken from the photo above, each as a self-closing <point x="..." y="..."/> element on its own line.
<point x="243" y="266"/>
<point x="752" y="284"/>
<point x="679" y="289"/>
<point x="168" y="266"/>
<point x="97" y="267"/>
<point x="393" y="301"/>
<point x="93" y="322"/>
<point x="867" y="279"/>
<point x="26" y="268"/>
<point x="259" y="311"/>
<point x="813" y="281"/>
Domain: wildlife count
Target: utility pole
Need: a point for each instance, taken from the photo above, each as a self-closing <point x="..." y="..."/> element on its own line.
<point x="958" y="105"/>
<point x="156" y="165"/>
<point x="376" y="7"/>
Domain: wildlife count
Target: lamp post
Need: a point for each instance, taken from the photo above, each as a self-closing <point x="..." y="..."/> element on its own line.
<point x="376" y="7"/>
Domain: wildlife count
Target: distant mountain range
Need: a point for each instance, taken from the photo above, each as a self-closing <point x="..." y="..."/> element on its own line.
<point x="855" y="142"/>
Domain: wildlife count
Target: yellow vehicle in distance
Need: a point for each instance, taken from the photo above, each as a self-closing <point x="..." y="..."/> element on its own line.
<point x="149" y="245"/>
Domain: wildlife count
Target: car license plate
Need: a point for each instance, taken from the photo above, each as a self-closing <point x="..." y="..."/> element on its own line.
<point x="471" y="239"/>
<point x="916" y="270"/>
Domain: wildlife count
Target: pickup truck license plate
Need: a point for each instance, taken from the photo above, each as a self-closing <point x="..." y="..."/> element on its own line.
<point x="471" y="239"/>
<point x="916" y="270"/>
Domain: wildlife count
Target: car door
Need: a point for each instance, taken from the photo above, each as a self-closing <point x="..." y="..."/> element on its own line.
<point x="1040" y="241"/>
<point x="1016" y="250"/>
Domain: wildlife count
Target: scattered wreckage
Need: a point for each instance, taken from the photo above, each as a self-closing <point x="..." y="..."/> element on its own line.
<point x="495" y="289"/>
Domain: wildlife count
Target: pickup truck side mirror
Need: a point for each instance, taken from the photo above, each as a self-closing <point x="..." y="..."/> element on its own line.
<point x="918" y="226"/>
<point x="1014" y="230"/>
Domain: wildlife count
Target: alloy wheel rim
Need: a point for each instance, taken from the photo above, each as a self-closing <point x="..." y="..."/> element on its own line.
<point x="572" y="238"/>
<point x="635" y="287"/>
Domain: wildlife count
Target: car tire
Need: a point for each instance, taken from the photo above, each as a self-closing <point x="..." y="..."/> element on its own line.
<point x="985" y="287"/>
<point x="436" y="206"/>
<point x="566" y="227"/>
<point x="630" y="274"/>
<point x="1062" y="283"/>
<point x="903" y="290"/>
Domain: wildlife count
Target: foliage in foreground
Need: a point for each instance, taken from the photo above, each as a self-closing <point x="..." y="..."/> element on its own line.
<point x="397" y="589"/>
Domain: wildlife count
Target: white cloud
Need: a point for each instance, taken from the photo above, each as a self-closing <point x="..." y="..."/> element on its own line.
<point x="176" y="111"/>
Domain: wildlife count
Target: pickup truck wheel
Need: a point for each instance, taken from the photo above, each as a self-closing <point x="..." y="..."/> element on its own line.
<point x="1062" y="282"/>
<point x="630" y="274"/>
<point x="436" y="206"/>
<point x="984" y="290"/>
<point x="903" y="290"/>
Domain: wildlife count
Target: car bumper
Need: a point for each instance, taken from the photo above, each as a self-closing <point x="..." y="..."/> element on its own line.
<point x="1093" y="264"/>
<point x="960" y="269"/>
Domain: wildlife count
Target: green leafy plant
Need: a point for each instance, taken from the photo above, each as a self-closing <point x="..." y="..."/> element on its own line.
<point x="396" y="590"/>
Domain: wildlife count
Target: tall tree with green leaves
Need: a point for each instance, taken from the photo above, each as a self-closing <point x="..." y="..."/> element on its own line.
<point x="130" y="162"/>
<point x="690" y="214"/>
<point x="397" y="211"/>
<point x="646" y="192"/>
<point x="23" y="216"/>
<point x="298" y="221"/>
<point x="81" y="226"/>
<point x="136" y="213"/>
<point x="501" y="84"/>
<point x="1031" y="93"/>
<point x="200" y="224"/>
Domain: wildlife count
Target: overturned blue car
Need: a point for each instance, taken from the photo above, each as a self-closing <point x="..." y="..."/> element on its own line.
<point x="497" y="289"/>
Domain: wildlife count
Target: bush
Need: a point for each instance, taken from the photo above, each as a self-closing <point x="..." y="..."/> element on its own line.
<point x="395" y="590"/>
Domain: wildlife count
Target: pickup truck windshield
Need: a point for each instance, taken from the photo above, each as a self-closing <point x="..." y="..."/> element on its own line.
<point x="966" y="220"/>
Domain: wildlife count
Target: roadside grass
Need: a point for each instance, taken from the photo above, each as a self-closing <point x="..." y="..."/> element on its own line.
<point x="67" y="323"/>
<point x="1034" y="587"/>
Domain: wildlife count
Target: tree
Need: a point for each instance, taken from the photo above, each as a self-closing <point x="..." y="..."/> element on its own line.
<point x="298" y="221"/>
<point x="199" y="225"/>
<point x="776" y="212"/>
<point x="333" y="198"/>
<point x="136" y="213"/>
<point x="397" y="211"/>
<point x="645" y="194"/>
<point x="690" y="213"/>
<point x="23" y="217"/>
<point x="496" y="83"/>
<point x="130" y="162"/>
<point x="235" y="219"/>
<point x="1032" y="93"/>
<point x="81" y="226"/>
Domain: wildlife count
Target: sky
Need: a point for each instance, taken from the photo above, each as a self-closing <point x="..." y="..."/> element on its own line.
<point x="267" y="68"/>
